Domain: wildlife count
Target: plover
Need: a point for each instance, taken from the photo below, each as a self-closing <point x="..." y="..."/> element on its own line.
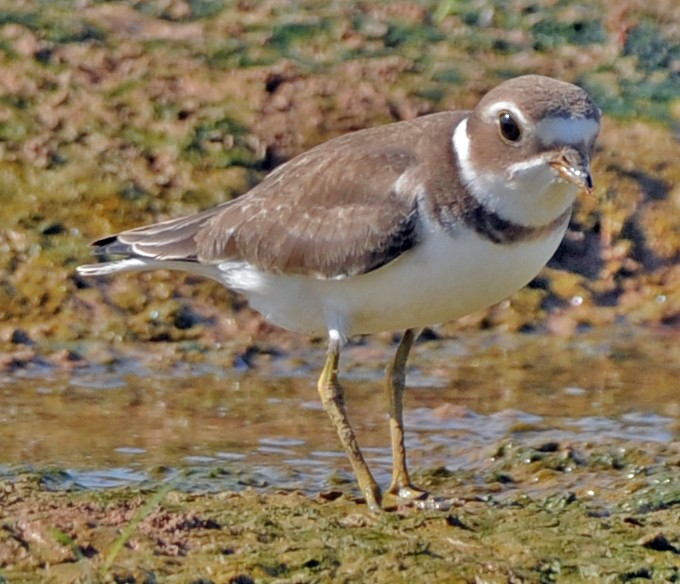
<point x="392" y="228"/>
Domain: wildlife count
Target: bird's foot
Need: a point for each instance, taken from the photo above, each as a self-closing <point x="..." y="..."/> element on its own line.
<point x="373" y="497"/>
<point x="407" y="492"/>
<point x="408" y="495"/>
<point x="403" y="492"/>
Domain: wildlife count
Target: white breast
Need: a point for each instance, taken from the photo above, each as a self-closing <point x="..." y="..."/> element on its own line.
<point x="441" y="279"/>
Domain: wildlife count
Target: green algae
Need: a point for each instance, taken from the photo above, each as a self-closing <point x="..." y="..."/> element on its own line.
<point x="119" y="113"/>
<point x="583" y="489"/>
<point x="99" y="133"/>
<point x="554" y="536"/>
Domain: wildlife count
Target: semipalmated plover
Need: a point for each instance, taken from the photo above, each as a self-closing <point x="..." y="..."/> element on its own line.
<point x="391" y="228"/>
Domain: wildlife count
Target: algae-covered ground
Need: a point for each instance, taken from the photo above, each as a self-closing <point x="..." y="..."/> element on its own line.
<point x="115" y="114"/>
<point x="504" y="526"/>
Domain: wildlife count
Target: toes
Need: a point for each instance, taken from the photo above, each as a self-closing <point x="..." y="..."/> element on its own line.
<point x="373" y="498"/>
<point x="408" y="492"/>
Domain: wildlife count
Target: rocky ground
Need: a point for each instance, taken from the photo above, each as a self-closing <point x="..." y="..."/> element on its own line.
<point x="114" y="114"/>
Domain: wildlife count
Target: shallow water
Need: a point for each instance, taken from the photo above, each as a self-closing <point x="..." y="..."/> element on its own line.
<point x="210" y="428"/>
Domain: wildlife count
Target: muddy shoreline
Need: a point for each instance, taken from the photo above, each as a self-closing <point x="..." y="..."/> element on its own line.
<point x="537" y="478"/>
<point x="499" y="524"/>
<point x="117" y="114"/>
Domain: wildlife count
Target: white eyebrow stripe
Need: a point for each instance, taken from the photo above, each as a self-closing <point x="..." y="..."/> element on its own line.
<point x="509" y="106"/>
<point x="567" y="130"/>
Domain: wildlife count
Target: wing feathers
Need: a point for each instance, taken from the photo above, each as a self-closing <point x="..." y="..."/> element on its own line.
<point x="334" y="211"/>
<point x="167" y="240"/>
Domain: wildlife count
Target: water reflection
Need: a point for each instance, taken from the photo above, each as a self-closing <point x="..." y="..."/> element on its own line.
<point x="216" y="429"/>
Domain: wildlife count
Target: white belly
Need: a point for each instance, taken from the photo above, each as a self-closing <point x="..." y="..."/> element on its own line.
<point x="441" y="279"/>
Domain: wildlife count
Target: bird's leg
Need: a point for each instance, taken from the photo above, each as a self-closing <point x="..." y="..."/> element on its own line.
<point x="395" y="382"/>
<point x="333" y="400"/>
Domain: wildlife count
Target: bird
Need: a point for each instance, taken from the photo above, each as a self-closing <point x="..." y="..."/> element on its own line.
<point x="392" y="228"/>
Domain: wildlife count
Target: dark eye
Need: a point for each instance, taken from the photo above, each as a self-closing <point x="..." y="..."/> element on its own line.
<point x="509" y="127"/>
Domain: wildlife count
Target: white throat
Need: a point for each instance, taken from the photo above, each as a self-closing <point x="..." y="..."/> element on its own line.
<point x="526" y="193"/>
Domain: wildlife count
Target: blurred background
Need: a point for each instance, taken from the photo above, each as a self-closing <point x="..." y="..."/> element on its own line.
<point x="116" y="114"/>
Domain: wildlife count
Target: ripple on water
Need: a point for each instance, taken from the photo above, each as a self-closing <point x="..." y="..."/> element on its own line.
<point x="94" y="479"/>
<point x="210" y="430"/>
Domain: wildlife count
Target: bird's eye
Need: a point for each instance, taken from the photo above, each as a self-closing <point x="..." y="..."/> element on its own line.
<point x="509" y="127"/>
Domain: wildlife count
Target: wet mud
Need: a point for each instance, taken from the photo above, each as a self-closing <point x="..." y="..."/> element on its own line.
<point x="155" y="429"/>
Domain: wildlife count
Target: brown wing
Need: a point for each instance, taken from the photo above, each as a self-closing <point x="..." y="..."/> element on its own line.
<point x="174" y="239"/>
<point x="333" y="211"/>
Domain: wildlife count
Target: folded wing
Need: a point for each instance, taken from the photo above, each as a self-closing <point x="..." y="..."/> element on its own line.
<point x="337" y="210"/>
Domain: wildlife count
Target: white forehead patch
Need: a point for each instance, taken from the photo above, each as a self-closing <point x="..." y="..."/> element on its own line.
<point x="567" y="130"/>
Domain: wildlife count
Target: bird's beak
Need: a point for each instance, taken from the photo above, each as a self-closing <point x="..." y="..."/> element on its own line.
<point x="573" y="166"/>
